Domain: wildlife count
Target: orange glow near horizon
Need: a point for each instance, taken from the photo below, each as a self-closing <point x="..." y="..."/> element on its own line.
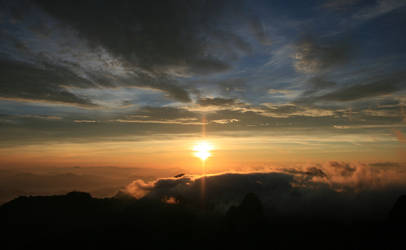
<point x="238" y="152"/>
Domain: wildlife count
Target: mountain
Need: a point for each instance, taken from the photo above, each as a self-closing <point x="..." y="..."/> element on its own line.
<point x="77" y="220"/>
<point x="398" y="213"/>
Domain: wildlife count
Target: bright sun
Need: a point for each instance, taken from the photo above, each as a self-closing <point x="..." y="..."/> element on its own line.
<point x="202" y="150"/>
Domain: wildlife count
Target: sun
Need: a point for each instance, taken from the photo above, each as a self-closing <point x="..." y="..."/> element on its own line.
<point x="202" y="150"/>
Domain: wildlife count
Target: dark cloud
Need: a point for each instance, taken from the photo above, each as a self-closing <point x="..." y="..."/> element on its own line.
<point x="28" y="82"/>
<point x="232" y="85"/>
<point x="216" y="101"/>
<point x="378" y="8"/>
<point x="317" y="84"/>
<point x="293" y="110"/>
<point x="341" y="5"/>
<point x="157" y="36"/>
<point x="315" y="172"/>
<point x="49" y="83"/>
<point x="143" y="124"/>
<point x="259" y="31"/>
<point x="311" y="172"/>
<point x="314" y="55"/>
<point x="343" y="168"/>
<point x="165" y="113"/>
<point x="162" y="116"/>
<point x="373" y="87"/>
<point x="123" y="44"/>
<point x="157" y="46"/>
<point x="165" y="84"/>
<point x="19" y="131"/>
<point x="322" y="90"/>
<point x="234" y="44"/>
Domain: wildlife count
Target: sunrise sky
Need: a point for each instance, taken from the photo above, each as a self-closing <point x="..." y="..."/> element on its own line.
<point x="140" y="83"/>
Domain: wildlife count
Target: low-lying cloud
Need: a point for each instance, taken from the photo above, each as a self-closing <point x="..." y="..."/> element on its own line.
<point x="333" y="189"/>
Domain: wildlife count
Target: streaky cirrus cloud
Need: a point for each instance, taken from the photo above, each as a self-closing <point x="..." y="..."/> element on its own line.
<point x="144" y="44"/>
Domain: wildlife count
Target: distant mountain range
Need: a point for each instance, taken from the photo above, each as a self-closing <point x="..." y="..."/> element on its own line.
<point x="98" y="181"/>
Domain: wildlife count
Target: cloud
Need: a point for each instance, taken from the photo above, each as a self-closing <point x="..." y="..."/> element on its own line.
<point x="43" y="82"/>
<point x="290" y="110"/>
<point x="364" y="10"/>
<point x="385" y="164"/>
<point x="170" y="200"/>
<point x="373" y="87"/>
<point x="180" y="121"/>
<point x="235" y="43"/>
<point x="259" y="30"/>
<point x="310" y="172"/>
<point x="377" y="86"/>
<point x="283" y="93"/>
<point x="382" y="112"/>
<point x="84" y="121"/>
<point x="146" y="44"/>
<point x="139" y="188"/>
<point x="341" y="4"/>
<point x="88" y="57"/>
<point x="44" y="117"/>
<point x="225" y="121"/>
<point x="162" y="115"/>
<point x="216" y="101"/>
<point x="156" y="36"/>
<point x="399" y="135"/>
<point x="361" y="177"/>
<point x="403" y="113"/>
<point x="314" y="56"/>
<point x="26" y="82"/>
<point x="231" y="85"/>
<point x="343" y="168"/>
<point x="381" y="7"/>
<point x="348" y="189"/>
<point x="317" y="84"/>
<point x="370" y="126"/>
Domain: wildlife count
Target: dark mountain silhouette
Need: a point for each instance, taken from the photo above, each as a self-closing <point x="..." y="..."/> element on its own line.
<point x="77" y="220"/>
<point x="123" y="196"/>
<point x="248" y="216"/>
<point x="398" y="213"/>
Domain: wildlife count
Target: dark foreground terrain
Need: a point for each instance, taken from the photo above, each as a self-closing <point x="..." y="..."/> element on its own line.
<point x="78" y="221"/>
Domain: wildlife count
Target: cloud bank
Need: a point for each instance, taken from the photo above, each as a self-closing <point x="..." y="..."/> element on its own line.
<point x="331" y="190"/>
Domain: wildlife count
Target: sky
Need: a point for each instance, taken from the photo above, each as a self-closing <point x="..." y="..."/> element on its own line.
<point x="139" y="83"/>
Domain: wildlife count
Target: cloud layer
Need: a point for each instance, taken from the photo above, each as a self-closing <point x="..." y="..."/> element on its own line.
<point x="335" y="189"/>
<point x="320" y="76"/>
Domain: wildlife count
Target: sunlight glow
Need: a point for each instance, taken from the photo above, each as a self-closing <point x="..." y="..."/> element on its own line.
<point x="202" y="150"/>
